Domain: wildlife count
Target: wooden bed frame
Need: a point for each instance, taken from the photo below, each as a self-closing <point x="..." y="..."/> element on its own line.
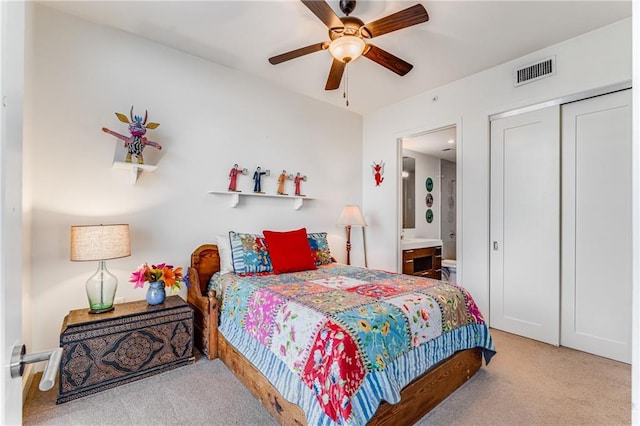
<point x="417" y="399"/>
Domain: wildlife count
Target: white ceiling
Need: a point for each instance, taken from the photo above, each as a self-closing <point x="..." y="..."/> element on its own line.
<point x="460" y="39"/>
<point x="440" y="143"/>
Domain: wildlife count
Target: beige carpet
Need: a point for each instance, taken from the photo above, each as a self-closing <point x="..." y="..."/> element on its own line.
<point x="532" y="383"/>
<point x="527" y="383"/>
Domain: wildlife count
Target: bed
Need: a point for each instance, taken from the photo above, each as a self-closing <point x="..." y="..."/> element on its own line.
<point x="373" y="398"/>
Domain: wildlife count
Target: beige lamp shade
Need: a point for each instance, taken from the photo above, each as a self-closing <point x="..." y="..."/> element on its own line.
<point x="99" y="242"/>
<point x="351" y="216"/>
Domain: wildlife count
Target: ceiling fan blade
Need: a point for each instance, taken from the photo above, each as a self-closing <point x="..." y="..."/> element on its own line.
<point x="323" y="11"/>
<point x="297" y="53"/>
<point x="405" y="18"/>
<point x="387" y="60"/>
<point x="335" y="75"/>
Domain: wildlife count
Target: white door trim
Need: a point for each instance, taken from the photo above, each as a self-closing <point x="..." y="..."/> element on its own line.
<point x="564" y="99"/>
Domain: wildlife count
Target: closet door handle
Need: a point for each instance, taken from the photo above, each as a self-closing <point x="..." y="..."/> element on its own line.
<point x="495" y="245"/>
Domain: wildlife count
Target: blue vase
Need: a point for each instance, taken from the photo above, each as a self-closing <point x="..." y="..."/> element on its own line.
<point x="156" y="293"/>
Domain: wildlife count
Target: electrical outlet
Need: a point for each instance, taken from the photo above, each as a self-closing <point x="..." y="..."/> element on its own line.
<point x="118" y="300"/>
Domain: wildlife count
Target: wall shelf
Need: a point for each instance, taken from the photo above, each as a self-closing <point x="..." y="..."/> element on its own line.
<point x="298" y="200"/>
<point x="134" y="168"/>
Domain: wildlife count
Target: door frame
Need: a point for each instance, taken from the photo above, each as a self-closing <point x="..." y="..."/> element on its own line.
<point x="459" y="202"/>
<point x="598" y="91"/>
<point x="12" y="40"/>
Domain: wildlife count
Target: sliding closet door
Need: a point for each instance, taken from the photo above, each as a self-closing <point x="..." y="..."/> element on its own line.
<point x="525" y="225"/>
<point x="596" y="225"/>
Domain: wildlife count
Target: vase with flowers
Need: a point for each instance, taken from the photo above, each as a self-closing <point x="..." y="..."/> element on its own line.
<point x="160" y="277"/>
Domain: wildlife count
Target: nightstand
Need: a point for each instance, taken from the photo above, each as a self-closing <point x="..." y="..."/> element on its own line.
<point x="134" y="341"/>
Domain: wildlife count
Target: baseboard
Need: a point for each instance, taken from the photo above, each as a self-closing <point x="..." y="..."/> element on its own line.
<point x="27" y="380"/>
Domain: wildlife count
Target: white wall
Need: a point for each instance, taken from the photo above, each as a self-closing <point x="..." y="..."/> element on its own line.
<point x="210" y="118"/>
<point x="595" y="59"/>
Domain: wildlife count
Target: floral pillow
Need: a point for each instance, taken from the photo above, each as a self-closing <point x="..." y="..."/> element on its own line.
<point x="319" y="248"/>
<point x="249" y="253"/>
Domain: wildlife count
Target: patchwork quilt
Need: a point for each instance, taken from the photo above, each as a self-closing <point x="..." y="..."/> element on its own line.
<point x="340" y="339"/>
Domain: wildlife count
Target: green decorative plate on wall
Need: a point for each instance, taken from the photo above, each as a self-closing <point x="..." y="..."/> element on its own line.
<point x="429" y="216"/>
<point x="429" y="184"/>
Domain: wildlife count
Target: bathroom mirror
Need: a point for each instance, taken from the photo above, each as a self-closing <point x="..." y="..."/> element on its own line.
<point x="408" y="192"/>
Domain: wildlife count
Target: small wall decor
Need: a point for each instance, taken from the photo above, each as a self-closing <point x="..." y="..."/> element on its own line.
<point x="429" y="200"/>
<point x="233" y="177"/>
<point x="282" y="178"/>
<point x="429" y="184"/>
<point x="378" y="172"/>
<point x="137" y="141"/>
<point x="296" y="181"/>
<point x="257" y="178"/>
<point x="429" y="215"/>
<point x="234" y="194"/>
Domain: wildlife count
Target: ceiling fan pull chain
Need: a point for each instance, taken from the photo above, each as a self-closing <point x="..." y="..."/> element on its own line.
<point x="345" y="93"/>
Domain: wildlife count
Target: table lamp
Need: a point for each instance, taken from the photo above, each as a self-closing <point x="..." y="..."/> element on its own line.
<point x="101" y="243"/>
<point x="352" y="216"/>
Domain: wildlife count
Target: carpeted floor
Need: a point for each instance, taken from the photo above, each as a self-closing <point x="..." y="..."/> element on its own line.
<point x="526" y="383"/>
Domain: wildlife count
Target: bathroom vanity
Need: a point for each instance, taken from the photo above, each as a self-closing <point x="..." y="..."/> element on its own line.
<point x="422" y="257"/>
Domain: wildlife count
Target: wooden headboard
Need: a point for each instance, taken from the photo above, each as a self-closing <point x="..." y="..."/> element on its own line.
<point x="206" y="261"/>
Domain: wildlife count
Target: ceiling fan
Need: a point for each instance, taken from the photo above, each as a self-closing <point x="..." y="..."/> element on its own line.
<point x="349" y="38"/>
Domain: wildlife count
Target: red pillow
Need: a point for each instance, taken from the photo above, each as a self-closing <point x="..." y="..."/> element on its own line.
<point x="289" y="251"/>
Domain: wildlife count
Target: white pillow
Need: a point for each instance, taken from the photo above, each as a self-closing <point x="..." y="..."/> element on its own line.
<point x="224" y="249"/>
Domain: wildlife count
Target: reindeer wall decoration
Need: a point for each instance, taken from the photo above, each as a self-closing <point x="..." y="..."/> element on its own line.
<point x="137" y="141"/>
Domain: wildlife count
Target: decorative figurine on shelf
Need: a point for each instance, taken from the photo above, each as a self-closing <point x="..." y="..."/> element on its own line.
<point x="233" y="177"/>
<point x="257" y="177"/>
<point x="281" y="180"/>
<point x="296" y="182"/>
<point x="137" y="141"/>
<point x="378" y="170"/>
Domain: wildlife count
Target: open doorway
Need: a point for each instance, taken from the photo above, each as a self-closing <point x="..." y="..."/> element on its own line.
<point x="429" y="209"/>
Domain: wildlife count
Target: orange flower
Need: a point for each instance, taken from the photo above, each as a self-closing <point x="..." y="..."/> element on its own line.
<point x="169" y="276"/>
<point x="385" y="328"/>
<point x="380" y="362"/>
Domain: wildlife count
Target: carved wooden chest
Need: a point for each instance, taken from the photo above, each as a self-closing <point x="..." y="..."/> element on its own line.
<point x="134" y="341"/>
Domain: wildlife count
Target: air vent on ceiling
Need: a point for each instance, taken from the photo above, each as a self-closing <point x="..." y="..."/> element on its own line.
<point x="536" y="71"/>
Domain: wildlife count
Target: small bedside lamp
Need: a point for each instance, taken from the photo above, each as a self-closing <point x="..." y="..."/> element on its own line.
<point x="352" y="216"/>
<point x="100" y="242"/>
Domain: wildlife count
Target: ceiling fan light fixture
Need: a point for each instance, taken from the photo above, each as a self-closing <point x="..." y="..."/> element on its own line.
<point x="347" y="48"/>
